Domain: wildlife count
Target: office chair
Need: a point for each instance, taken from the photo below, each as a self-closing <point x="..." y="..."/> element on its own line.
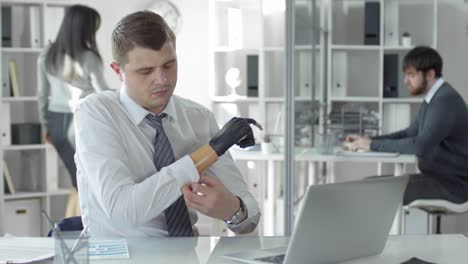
<point x="69" y="224"/>
<point x="435" y="207"/>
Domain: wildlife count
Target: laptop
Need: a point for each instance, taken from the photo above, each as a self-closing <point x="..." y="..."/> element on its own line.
<point x="338" y="222"/>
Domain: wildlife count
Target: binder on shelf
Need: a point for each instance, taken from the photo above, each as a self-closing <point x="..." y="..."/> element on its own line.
<point x="26" y="133"/>
<point x="53" y="19"/>
<point x="303" y="74"/>
<point x="34" y="26"/>
<point x="18" y="14"/>
<point x="51" y="159"/>
<point x="14" y="78"/>
<point x="391" y="23"/>
<point x="6" y="26"/>
<point x="372" y="23"/>
<point x="252" y="75"/>
<point x="9" y="188"/>
<point x="390" y="76"/>
<point x="5" y="130"/>
<point x="6" y="88"/>
<point x="339" y="73"/>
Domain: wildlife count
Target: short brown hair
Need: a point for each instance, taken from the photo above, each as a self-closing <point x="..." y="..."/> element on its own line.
<point x="145" y="29"/>
<point x="423" y="59"/>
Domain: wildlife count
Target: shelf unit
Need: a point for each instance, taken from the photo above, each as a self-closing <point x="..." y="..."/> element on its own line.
<point x="349" y="74"/>
<point x="243" y="29"/>
<point x="357" y="73"/>
<point x="40" y="180"/>
<point x="247" y="66"/>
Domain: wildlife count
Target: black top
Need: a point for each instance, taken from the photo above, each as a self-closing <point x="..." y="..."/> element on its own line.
<point x="438" y="137"/>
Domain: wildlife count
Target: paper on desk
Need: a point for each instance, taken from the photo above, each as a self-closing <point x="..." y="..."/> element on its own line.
<point x="25" y="249"/>
<point x="108" y="249"/>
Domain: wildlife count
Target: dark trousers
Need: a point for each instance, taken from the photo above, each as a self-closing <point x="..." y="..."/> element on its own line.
<point x="424" y="186"/>
<point x="58" y="125"/>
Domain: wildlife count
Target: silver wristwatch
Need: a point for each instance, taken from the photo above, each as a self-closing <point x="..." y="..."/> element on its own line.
<point x="239" y="216"/>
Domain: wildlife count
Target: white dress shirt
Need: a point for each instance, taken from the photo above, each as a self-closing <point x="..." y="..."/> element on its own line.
<point x="435" y="87"/>
<point x="121" y="192"/>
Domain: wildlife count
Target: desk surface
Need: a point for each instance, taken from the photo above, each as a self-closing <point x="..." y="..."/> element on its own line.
<point x="311" y="154"/>
<point x="435" y="248"/>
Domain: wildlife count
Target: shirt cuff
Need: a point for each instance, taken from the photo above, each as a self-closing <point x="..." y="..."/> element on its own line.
<point x="374" y="145"/>
<point x="186" y="172"/>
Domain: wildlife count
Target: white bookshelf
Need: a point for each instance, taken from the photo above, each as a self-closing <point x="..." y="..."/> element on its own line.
<point x="355" y="71"/>
<point x="24" y="147"/>
<point x="19" y="99"/>
<point x="355" y="47"/>
<point x="260" y="32"/>
<point x="20" y="50"/>
<point x="24" y="195"/>
<point x="37" y="174"/>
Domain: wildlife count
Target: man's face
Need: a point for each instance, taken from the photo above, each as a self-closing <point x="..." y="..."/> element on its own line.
<point x="415" y="81"/>
<point x="149" y="76"/>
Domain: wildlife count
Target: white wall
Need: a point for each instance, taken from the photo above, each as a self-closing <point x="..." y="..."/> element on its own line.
<point x="192" y="42"/>
<point x="453" y="43"/>
<point x="453" y="46"/>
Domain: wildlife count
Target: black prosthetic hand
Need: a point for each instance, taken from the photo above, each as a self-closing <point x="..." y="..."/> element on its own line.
<point x="236" y="131"/>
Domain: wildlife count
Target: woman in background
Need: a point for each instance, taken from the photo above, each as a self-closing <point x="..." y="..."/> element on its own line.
<point x="69" y="69"/>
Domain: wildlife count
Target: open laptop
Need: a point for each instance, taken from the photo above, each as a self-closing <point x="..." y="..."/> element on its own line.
<point x="338" y="222"/>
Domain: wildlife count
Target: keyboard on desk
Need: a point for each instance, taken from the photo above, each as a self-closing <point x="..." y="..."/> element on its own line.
<point x="367" y="154"/>
<point x="278" y="259"/>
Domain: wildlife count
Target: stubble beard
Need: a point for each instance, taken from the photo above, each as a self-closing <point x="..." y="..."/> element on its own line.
<point x="421" y="89"/>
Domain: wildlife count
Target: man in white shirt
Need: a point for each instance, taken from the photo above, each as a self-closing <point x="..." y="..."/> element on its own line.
<point x="122" y="190"/>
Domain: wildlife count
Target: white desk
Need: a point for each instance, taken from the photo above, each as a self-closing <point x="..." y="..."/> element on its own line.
<point x="440" y="249"/>
<point x="313" y="159"/>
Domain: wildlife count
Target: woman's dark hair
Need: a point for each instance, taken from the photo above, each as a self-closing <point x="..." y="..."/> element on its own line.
<point x="424" y="59"/>
<point x="77" y="34"/>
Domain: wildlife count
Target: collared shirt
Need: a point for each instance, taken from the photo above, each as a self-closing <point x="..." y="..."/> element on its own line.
<point x="121" y="192"/>
<point x="435" y="87"/>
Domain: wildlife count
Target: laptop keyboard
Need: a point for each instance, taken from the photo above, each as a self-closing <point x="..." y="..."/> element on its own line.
<point x="278" y="259"/>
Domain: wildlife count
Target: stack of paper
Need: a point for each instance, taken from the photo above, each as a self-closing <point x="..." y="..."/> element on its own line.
<point x="32" y="249"/>
<point x="108" y="249"/>
<point x="25" y="249"/>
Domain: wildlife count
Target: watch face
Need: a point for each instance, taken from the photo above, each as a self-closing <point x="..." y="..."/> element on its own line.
<point x="169" y="12"/>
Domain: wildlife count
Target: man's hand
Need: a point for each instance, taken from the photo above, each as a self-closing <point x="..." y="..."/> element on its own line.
<point x="236" y="131"/>
<point x="211" y="198"/>
<point x="351" y="137"/>
<point x="47" y="137"/>
<point x="355" y="143"/>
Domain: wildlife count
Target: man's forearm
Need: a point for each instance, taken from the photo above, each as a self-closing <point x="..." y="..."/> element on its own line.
<point x="396" y="135"/>
<point x="404" y="146"/>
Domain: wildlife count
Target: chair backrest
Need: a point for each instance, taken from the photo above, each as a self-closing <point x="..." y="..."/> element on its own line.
<point x="69" y="224"/>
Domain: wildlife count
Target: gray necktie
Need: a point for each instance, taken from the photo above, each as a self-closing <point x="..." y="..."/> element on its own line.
<point x="177" y="217"/>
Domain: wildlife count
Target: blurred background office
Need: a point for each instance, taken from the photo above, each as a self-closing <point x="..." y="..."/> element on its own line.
<point x="310" y="75"/>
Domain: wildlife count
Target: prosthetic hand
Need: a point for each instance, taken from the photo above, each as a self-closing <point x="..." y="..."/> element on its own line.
<point x="236" y="131"/>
